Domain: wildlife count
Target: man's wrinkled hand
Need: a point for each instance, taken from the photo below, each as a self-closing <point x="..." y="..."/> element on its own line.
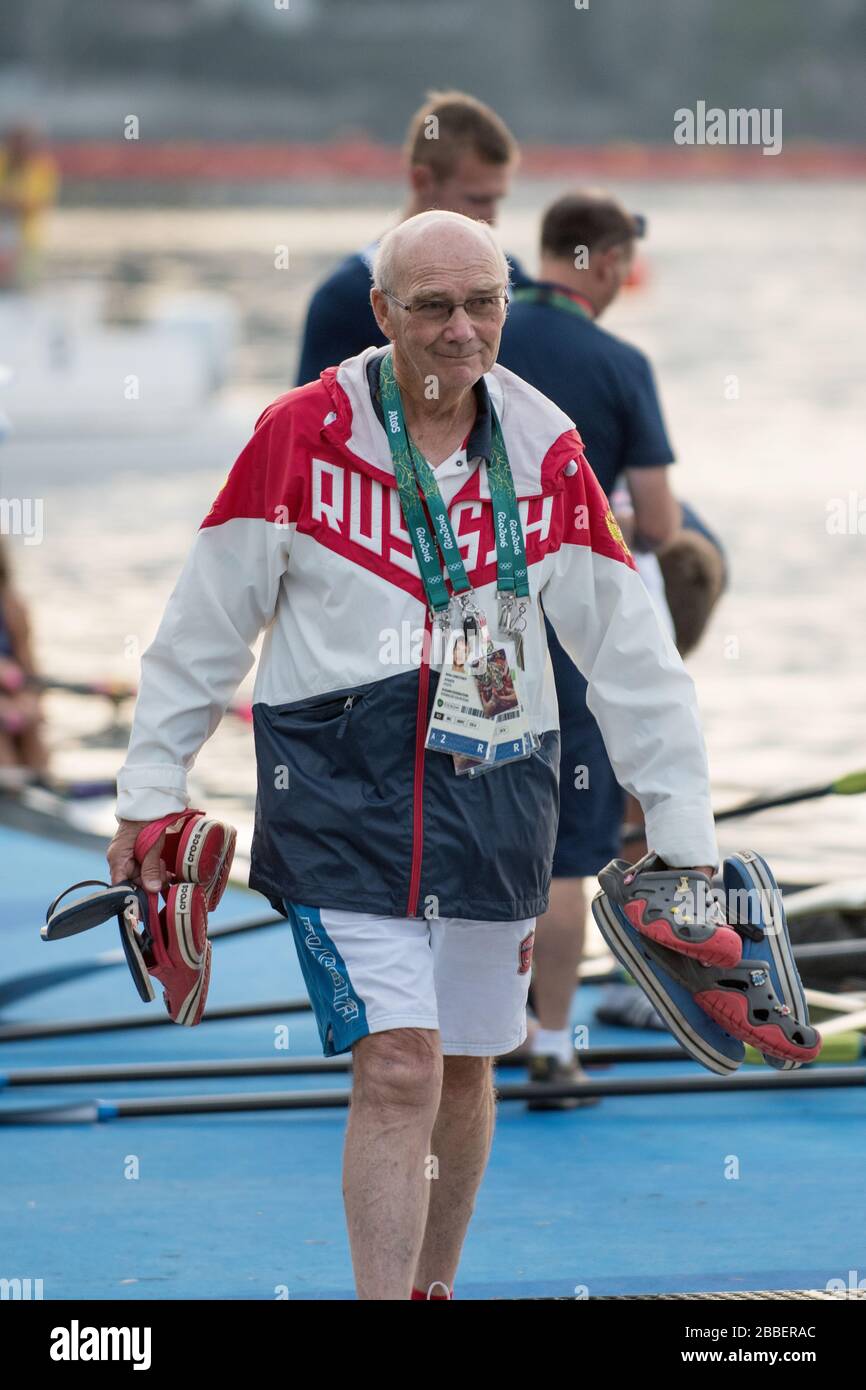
<point x="151" y="874"/>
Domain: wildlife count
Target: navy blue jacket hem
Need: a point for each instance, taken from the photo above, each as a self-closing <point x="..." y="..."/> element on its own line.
<point x="329" y="897"/>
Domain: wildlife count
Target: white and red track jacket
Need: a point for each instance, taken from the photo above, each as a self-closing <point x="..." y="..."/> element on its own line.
<point x="306" y="539"/>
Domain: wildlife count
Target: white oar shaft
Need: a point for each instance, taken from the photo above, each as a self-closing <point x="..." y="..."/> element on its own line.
<point x="847" y="896"/>
<point x="844" y="1024"/>
<point x="842" y="1003"/>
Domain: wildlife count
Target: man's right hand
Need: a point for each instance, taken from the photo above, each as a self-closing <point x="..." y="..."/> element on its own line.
<point x="151" y="874"/>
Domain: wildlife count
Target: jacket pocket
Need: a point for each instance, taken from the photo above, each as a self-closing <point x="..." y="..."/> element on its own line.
<point x="321" y="707"/>
<point x="342" y="817"/>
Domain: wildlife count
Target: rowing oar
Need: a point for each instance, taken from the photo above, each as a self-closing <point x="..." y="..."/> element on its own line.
<point x="845" y="895"/>
<point x="23" y="986"/>
<point x="845" y="1047"/>
<point x="271" y="1066"/>
<point x="845" y="1023"/>
<point x="145" y="1107"/>
<point x="836" y="1003"/>
<point x="830" y="950"/>
<point x="850" y="785"/>
<point x="71" y="1027"/>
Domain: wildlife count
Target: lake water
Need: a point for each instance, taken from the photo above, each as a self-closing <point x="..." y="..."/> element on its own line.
<point x="752" y="317"/>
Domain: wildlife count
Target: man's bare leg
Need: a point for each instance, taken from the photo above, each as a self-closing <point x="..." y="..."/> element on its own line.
<point x="460" y="1144"/>
<point x="396" y="1086"/>
<point x="559" y="937"/>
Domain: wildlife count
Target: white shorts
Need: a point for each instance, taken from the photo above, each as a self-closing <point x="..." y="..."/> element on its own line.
<point x="366" y="974"/>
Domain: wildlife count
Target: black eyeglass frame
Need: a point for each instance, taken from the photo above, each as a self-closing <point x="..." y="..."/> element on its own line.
<point x="414" y="308"/>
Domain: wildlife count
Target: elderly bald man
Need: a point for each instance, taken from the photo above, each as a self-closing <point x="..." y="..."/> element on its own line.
<point x="412" y="853"/>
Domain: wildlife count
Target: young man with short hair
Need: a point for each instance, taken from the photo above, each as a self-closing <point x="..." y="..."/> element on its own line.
<point x="460" y="157"/>
<point x="553" y="340"/>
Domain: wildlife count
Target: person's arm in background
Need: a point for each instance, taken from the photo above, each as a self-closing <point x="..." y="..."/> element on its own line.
<point x="226" y="594"/>
<point x="656" y="514"/>
<point x="646" y="455"/>
<point x="638" y="688"/>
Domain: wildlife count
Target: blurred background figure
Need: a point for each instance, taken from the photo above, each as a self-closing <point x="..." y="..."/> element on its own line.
<point x="22" y="752"/>
<point x="28" y="190"/>
<point x="460" y="157"/>
<point x="553" y="339"/>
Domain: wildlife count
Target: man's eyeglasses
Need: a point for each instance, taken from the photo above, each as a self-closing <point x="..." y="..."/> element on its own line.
<point x="481" y="308"/>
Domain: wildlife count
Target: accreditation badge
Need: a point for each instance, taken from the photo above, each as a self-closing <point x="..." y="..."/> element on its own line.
<point x="458" y="724"/>
<point x="499" y="698"/>
<point x="480" y="719"/>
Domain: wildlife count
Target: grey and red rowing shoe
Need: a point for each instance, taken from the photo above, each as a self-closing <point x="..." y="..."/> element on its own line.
<point x="719" y="979"/>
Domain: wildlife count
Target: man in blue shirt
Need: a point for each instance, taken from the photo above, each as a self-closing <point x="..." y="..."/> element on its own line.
<point x="553" y="340"/>
<point x="461" y="158"/>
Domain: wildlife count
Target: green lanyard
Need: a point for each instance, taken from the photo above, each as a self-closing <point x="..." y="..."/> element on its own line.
<point x="412" y="472"/>
<point x="511" y="573"/>
<point x="543" y="294"/>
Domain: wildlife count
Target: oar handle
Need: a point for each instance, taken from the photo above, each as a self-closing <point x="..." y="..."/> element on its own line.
<point x="768" y="803"/>
<point x="852" y="784"/>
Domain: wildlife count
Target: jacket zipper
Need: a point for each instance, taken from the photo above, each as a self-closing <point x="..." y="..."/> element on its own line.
<point x="344" y="717"/>
<point x="418" y="783"/>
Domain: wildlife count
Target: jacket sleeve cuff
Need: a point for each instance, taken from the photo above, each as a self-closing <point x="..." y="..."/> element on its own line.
<point x="147" y="793"/>
<point x="683" y="834"/>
